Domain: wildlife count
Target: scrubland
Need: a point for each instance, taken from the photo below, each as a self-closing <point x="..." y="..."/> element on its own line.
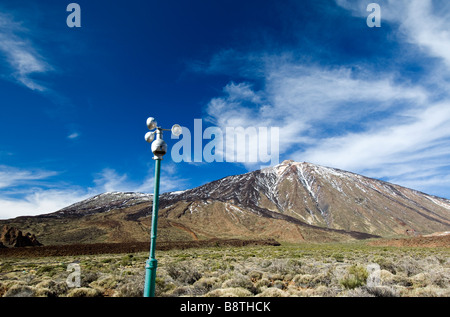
<point x="325" y="270"/>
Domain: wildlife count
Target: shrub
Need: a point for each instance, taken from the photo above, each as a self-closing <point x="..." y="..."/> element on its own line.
<point x="104" y="282"/>
<point x="207" y="283"/>
<point x="133" y="286"/>
<point x="261" y="284"/>
<point x="107" y="260"/>
<point x="409" y="266"/>
<point x="272" y="292"/>
<point x="429" y="291"/>
<point x="386" y="264"/>
<point x="6" y="267"/>
<point x="44" y="292"/>
<point x="339" y="257"/>
<point x="442" y="278"/>
<point x="285" y="266"/>
<point x="183" y="291"/>
<point x="356" y="277"/>
<point x="382" y="291"/>
<point x="88" y="277"/>
<point x="238" y="281"/>
<point x="126" y="260"/>
<point x="278" y="284"/>
<point x="303" y="280"/>
<point x="20" y="291"/>
<point x="229" y="292"/>
<point x="386" y="277"/>
<point x="183" y="273"/>
<point x="163" y="285"/>
<point x="358" y="292"/>
<point x="255" y="275"/>
<point x="84" y="292"/>
<point x="46" y="269"/>
<point x="274" y="277"/>
<point x="55" y="288"/>
<point x="131" y="290"/>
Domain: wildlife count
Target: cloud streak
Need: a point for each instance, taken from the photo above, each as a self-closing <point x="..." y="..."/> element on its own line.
<point x="20" y="54"/>
<point x="11" y="177"/>
<point x="109" y="180"/>
<point x="424" y="23"/>
<point x="376" y="122"/>
<point x="409" y="144"/>
<point x="30" y="192"/>
<point x="310" y="103"/>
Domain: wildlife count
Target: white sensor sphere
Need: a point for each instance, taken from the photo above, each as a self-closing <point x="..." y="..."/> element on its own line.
<point x="151" y="123"/>
<point x="176" y="130"/>
<point x="149" y="137"/>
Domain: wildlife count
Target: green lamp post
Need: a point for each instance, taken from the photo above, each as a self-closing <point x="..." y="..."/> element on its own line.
<point x="159" y="148"/>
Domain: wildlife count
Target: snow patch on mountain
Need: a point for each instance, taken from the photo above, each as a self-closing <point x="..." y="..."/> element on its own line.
<point x="439" y="202"/>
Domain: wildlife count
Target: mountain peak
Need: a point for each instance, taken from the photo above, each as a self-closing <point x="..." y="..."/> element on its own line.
<point x="287" y="162"/>
<point x="102" y="203"/>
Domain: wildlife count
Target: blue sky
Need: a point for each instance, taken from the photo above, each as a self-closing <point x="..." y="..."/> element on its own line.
<point x="74" y="101"/>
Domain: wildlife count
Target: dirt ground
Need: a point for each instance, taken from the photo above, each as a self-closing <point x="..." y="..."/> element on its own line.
<point x="131" y="247"/>
<point x="432" y="241"/>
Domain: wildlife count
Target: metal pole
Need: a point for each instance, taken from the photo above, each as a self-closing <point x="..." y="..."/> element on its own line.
<point x="152" y="263"/>
<point x="159" y="148"/>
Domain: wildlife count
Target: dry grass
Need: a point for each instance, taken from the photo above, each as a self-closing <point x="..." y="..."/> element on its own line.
<point x="273" y="271"/>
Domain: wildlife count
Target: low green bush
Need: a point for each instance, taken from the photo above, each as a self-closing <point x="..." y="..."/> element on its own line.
<point x="356" y="277"/>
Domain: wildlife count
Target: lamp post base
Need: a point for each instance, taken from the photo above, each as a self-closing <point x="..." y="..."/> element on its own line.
<point x="150" y="277"/>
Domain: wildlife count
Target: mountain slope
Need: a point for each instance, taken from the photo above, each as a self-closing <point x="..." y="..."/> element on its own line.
<point x="289" y="202"/>
<point x="329" y="198"/>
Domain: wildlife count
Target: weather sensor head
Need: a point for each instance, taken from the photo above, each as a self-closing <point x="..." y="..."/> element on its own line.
<point x="151" y="123"/>
<point x="176" y="130"/>
<point x="159" y="148"/>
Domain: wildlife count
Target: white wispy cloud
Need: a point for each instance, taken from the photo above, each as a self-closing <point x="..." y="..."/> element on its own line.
<point x="306" y="102"/>
<point x="11" y="177"/>
<point x="424" y="23"/>
<point x="20" y="53"/>
<point x="37" y="201"/>
<point x="109" y="180"/>
<point x="425" y="139"/>
<point x="33" y="192"/>
<point x="30" y="192"/>
<point x="380" y="124"/>
<point x="73" y="135"/>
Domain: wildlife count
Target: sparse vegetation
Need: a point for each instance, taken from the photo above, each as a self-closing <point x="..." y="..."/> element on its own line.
<point x="286" y="270"/>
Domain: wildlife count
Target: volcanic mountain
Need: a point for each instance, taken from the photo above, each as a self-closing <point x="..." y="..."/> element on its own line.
<point x="289" y="202"/>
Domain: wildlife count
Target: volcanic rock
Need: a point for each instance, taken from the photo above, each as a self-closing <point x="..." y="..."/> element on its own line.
<point x="13" y="237"/>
